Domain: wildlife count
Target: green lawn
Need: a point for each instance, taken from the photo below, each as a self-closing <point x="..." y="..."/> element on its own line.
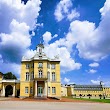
<point x="94" y="100"/>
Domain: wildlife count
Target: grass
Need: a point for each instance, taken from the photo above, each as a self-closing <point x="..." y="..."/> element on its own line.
<point x="94" y="100"/>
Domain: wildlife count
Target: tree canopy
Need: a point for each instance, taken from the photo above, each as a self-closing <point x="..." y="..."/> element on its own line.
<point x="9" y="75"/>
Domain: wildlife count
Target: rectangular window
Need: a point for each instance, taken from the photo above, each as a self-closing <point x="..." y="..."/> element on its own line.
<point x="40" y="65"/>
<point x="26" y="90"/>
<point x="40" y="74"/>
<point x="48" y="76"/>
<point x="27" y="76"/>
<point x="53" y="66"/>
<point x="32" y="75"/>
<point x="48" y="65"/>
<point x="31" y="90"/>
<point x="53" y="90"/>
<point x="27" y="66"/>
<point x="53" y="76"/>
<point x="48" y="90"/>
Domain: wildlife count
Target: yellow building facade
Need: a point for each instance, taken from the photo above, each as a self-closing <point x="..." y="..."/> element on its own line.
<point x="94" y="91"/>
<point x="40" y="76"/>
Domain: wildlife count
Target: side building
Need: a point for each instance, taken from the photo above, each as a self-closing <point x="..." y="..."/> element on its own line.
<point x="9" y="87"/>
<point x="40" y="75"/>
<point x="94" y="91"/>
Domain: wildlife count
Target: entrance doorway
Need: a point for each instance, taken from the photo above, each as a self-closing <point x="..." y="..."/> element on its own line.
<point x="40" y="91"/>
<point x="8" y="91"/>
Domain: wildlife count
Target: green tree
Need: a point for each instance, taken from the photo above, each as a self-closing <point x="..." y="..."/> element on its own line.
<point x="1" y="73"/>
<point x="89" y="95"/>
<point x="9" y="75"/>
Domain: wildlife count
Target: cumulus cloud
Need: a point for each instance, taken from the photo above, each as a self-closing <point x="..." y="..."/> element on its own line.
<point x="47" y="36"/>
<point x="16" y="19"/>
<point x="93" y="42"/>
<point x="94" y="64"/>
<point x="66" y="80"/>
<point x="61" y="47"/>
<point x="64" y="10"/>
<point x="95" y="82"/>
<point x="11" y="67"/>
<point x="92" y="71"/>
<point x="102" y="80"/>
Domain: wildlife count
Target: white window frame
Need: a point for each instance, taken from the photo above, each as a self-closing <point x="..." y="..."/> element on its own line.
<point x="48" y="65"/>
<point x="40" y="65"/>
<point x="27" y="66"/>
<point x="26" y="90"/>
<point x="53" y="76"/>
<point x="40" y="74"/>
<point x="27" y="76"/>
<point x="53" y="90"/>
<point x="52" y="66"/>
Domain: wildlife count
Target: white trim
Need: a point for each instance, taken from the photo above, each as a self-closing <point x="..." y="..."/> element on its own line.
<point x="10" y="80"/>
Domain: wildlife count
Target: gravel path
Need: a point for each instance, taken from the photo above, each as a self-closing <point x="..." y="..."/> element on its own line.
<point x="32" y="105"/>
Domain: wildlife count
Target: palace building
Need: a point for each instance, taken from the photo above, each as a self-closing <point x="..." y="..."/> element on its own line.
<point x="94" y="91"/>
<point x="40" y="75"/>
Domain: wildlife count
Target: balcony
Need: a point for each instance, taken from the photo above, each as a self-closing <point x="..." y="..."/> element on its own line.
<point x="40" y="77"/>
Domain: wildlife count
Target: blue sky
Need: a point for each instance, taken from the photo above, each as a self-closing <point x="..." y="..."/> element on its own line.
<point x="76" y="30"/>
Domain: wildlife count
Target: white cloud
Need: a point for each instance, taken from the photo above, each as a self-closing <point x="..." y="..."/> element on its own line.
<point x="103" y="81"/>
<point x="64" y="10"/>
<point x="59" y="48"/>
<point x="95" y="82"/>
<point x="40" y="24"/>
<point x="94" y="64"/>
<point x="17" y="19"/>
<point x="10" y="67"/>
<point x="66" y="80"/>
<point x="56" y="35"/>
<point x="73" y="14"/>
<point x="92" y="71"/>
<point x="47" y="36"/>
<point x="93" y="43"/>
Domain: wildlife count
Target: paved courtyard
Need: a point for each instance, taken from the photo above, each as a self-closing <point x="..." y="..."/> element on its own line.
<point x="32" y="105"/>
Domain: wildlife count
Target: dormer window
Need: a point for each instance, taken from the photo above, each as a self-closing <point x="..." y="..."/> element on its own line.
<point x="40" y="57"/>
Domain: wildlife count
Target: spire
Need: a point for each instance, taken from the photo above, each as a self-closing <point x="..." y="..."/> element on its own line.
<point x="40" y="40"/>
<point x="40" y="46"/>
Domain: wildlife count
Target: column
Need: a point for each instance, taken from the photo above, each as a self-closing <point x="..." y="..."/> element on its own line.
<point x="13" y="91"/>
<point x="45" y="89"/>
<point x="3" y="91"/>
<point x="35" y="89"/>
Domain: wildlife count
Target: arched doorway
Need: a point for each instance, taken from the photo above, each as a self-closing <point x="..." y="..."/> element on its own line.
<point x="8" y="90"/>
